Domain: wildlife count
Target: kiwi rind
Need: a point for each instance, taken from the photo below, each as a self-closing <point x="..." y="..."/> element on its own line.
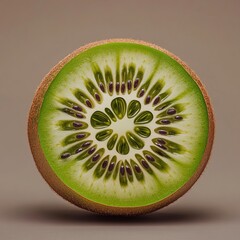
<point x="67" y="193"/>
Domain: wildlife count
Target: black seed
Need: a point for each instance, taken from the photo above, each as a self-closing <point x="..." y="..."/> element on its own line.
<point x="110" y="87"/>
<point x="91" y="150"/>
<point x="138" y="169"/>
<point x="77" y="124"/>
<point x="136" y="83"/>
<point x="89" y="104"/>
<point x="148" y="99"/>
<point x="163" y="132"/>
<point x="178" y="117"/>
<point x="141" y="93"/>
<point x="161" y="141"/>
<point x="144" y="163"/>
<point x="111" y="166"/>
<point x="161" y="153"/>
<point x="97" y="97"/>
<point x="149" y="158"/>
<point x="95" y="157"/>
<point x="65" y="155"/>
<point x="129" y="84"/>
<point x="80" y="135"/>
<point x="86" y="144"/>
<point x="75" y="107"/>
<point x="117" y="87"/>
<point x="123" y="87"/>
<point x="102" y="87"/>
<point x="122" y="170"/>
<point x="78" y="150"/>
<point x="165" y="121"/>
<point x="104" y="164"/>
<point x="161" y="146"/>
<point x="79" y="115"/>
<point x="161" y="108"/>
<point x="129" y="170"/>
<point x="171" y="111"/>
<point x="156" y="101"/>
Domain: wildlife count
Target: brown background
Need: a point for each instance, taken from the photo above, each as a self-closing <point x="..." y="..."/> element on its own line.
<point x="35" y="35"/>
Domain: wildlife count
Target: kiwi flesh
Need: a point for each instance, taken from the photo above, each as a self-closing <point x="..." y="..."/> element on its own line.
<point x="121" y="127"/>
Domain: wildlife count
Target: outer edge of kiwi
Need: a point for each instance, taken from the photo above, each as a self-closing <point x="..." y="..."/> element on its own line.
<point x="67" y="193"/>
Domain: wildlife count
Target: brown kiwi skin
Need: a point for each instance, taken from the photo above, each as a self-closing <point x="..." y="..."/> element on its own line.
<point x="67" y="193"/>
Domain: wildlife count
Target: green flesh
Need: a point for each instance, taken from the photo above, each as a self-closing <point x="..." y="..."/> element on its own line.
<point x="123" y="124"/>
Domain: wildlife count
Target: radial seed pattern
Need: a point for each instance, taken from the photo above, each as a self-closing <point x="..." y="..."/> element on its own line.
<point x="144" y="158"/>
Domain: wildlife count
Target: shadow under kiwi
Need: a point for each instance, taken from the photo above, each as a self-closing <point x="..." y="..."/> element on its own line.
<point x="62" y="214"/>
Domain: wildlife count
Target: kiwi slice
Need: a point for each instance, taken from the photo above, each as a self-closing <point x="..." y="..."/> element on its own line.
<point x="121" y="127"/>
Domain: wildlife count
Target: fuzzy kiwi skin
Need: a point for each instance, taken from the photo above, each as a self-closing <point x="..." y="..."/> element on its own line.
<point x="67" y="193"/>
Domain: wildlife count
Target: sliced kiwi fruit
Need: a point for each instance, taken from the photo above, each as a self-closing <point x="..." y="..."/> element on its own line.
<point x="121" y="127"/>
